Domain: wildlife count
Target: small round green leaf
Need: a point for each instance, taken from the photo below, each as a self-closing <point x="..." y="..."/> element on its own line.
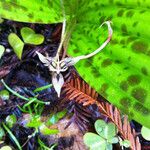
<point x="11" y="120"/>
<point x="145" y="133"/>
<point x="111" y="131"/>
<point x="4" y="95"/>
<point x="94" y="141"/>
<point x="16" y="43"/>
<point x="30" y="37"/>
<point x="107" y="131"/>
<point x="2" y="49"/>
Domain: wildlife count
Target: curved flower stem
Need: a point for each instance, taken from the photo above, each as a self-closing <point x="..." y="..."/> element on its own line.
<point x="110" y="32"/>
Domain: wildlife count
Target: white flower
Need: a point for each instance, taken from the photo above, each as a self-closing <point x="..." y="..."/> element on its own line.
<point x="56" y="67"/>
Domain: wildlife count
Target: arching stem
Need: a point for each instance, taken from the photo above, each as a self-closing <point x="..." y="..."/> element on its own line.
<point x="110" y="32"/>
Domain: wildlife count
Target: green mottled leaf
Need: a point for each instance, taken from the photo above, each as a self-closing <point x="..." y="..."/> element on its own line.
<point x="30" y="37"/>
<point x="16" y="44"/>
<point x="120" y="73"/>
<point x="39" y="11"/>
<point x="2" y="49"/>
<point x="95" y="142"/>
<point x="145" y="133"/>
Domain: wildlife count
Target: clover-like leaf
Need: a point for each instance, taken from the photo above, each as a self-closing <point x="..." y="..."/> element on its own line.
<point x="94" y="141"/>
<point x="16" y="43"/>
<point x="30" y="37"/>
<point x="145" y="133"/>
<point x="99" y="126"/>
<point x="107" y="131"/>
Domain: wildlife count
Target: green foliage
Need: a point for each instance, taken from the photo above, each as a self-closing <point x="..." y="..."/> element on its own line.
<point x="94" y="141"/>
<point x="44" y="147"/>
<point x="54" y="118"/>
<point x="107" y="131"/>
<point x="105" y="139"/>
<point x="12" y="136"/>
<point x="39" y="11"/>
<point x="30" y="100"/>
<point x="145" y="133"/>
<point x="122" y="69"/>
<point x="35" y="122"/>
<point x="11" y="120"/>
<point x="39" y="89"/>
<point x="30" y="37"/>
<point x="1" y="20"/>
<point x="120" y="73"/>
<point x="46" y="131"/>
<point x="2" y="133"/>
<point x="4" y="95"/>
<point x="125" y="143"/>
<point x="6" y="148"/>
<point x="2" y="49"/>
<point x="16" y="43"/>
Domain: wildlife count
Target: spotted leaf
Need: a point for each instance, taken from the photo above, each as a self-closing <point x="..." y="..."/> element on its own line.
<point x="39" y="11"/>
<point x="120" y="73"/>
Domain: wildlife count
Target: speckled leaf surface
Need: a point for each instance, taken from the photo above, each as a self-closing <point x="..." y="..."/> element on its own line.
<point x="36" y="11"/>
<point x="120" y="72"/>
